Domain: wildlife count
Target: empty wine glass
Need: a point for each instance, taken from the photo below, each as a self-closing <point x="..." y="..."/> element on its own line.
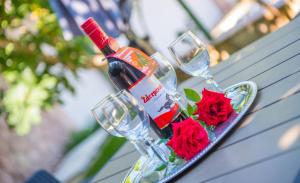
<point x="166" y="74"/>
<point x="96" y="112"/>
<point x="192" y="57"/>
<point x="122" y="116"/>
<point x="104" y="123"/>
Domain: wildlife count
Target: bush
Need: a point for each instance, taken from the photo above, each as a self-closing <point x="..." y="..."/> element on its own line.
<point x="35" y="61"/>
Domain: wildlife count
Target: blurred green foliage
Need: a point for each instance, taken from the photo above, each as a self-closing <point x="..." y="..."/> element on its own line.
<point x="106" y="151"/>
<point x="35" y="61"/>
<point x="79" y="136"/>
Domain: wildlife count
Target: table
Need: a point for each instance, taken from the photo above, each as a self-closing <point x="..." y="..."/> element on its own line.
<point x="265" y="147"/>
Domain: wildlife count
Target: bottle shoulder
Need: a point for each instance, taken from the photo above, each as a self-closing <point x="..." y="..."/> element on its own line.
<point x="117" y="66"/>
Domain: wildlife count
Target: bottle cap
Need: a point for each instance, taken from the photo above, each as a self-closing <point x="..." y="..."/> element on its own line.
<point x="94" y="31"/>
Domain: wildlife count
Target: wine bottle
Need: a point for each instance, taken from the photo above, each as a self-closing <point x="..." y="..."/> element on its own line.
<point x="131" y="69"/>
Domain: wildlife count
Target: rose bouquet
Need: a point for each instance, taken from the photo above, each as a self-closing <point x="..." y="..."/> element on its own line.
<point x="207" y="111"/>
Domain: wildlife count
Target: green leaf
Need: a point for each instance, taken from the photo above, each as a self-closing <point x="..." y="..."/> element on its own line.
<point x="191" y="109"/>
<point x="192" y="95"/>
<point x="194" y="117"/>
<point x="172" y="159"/>
<point x="161" y="167"/>
<point x="203" y="124"/>
<point x="162" y="141"/>
<point x="9" y="48"/>
<point x="172" y="156"/>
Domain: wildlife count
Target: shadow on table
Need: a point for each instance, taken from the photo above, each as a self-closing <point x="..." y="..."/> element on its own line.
<point x="297" y="179"/>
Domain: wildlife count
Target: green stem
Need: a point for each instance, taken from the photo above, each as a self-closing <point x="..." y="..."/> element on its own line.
<point x="195" y="20"/>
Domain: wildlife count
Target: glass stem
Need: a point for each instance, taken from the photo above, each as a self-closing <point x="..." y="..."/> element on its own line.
<point x="140" y="148"/>
<point x="155" y="149"/>
<point x="180" y="100"/>
<point x="210" y="80"/>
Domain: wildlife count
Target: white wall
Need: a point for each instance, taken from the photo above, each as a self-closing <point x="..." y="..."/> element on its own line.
<point x="206" y="11"/>
<point x="165" y="18"/>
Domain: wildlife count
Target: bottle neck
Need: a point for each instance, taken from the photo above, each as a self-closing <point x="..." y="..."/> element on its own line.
<point x="110" y="47"/>
<point x="107" y="50"/>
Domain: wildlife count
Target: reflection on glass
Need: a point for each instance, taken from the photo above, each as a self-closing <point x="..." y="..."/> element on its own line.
<point x="192" y="57"/>
<point x="166" y="74"/>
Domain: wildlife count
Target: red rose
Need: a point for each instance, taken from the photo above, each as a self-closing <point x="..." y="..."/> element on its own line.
<point x="214" y="108"/>
<point x="188" y="139"/>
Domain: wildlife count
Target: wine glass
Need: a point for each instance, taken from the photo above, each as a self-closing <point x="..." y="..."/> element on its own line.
<point x="104" y="123"/>
<point x="166" y="74"/>
<point x="192" y="57"/>
<point x="121" y="115"/>
<point x="96" y="112"/>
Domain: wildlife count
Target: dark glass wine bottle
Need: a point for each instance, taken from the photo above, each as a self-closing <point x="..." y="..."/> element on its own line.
<point x="131" y="69"/>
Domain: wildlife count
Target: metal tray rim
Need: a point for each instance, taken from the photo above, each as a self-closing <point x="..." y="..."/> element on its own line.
<point x="220" y="137"/>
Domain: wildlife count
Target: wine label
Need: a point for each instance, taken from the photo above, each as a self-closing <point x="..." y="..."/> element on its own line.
<point x="156" y="101"/>
<point x="137" y="59"/>
<point x="148" y="90"/>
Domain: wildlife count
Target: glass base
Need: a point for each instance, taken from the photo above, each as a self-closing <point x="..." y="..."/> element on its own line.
<point x="150" y="170"/>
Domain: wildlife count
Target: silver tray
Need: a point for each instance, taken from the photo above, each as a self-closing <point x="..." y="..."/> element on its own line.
<point x="245" y="93"/>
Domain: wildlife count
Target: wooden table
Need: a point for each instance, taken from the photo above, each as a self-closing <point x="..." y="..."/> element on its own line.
<point x="266" y="145"/>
